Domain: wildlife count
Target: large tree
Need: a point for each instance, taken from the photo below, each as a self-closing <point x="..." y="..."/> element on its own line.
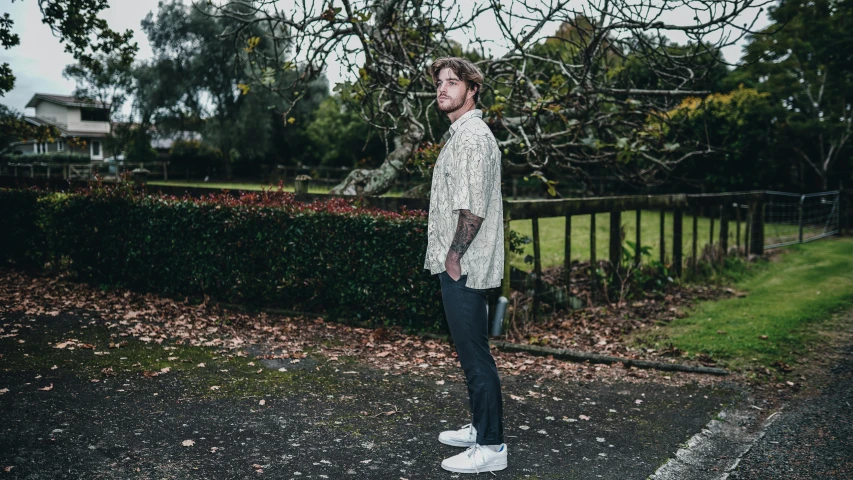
<point x="573" y="118"/>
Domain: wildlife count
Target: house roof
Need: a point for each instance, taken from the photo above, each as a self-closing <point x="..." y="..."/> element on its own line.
<point x="65" y="100"/>
<point x="62" y="130"/>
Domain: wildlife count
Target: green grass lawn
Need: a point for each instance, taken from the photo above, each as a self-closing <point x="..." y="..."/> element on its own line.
<point x="789" y="300"/>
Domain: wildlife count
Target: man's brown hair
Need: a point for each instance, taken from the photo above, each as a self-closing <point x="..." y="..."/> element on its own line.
<point x="463" y="69"/>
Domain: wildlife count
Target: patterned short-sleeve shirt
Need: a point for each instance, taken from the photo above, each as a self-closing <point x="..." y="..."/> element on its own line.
<point x="467" y="176"/>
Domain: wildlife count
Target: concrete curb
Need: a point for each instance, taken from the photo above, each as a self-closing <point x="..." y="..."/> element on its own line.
<point x="716" y="451"/>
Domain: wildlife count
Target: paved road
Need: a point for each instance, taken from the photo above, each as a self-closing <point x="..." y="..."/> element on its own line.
<point x="812" y="438"/>
<point x="317" y="421"/>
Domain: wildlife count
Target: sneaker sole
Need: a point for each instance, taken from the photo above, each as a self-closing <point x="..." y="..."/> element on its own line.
<point x="489" y="468"/>
<point x="455" y="443"/>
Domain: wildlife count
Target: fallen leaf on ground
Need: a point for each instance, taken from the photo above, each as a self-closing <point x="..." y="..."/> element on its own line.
<point x="215" y="387"/>
<point x="188" y="443"/>
<point x="583" y="417"/>
<point x="47" y="389"/>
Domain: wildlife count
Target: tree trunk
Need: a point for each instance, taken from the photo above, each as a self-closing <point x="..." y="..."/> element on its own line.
<point x="364" y="181"/>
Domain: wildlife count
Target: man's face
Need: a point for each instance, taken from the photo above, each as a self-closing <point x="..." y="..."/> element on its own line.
<point x="451" y="91"/>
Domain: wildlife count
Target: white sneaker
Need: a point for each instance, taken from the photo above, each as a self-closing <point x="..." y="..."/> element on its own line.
<point x="477" y="459"/>
<point x="464" y="437"/>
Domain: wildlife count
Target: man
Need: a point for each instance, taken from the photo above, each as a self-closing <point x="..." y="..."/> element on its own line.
<point x="465" y="248"/>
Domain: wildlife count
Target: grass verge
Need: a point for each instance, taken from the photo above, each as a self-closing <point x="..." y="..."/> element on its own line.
<point x="789" y="302"/>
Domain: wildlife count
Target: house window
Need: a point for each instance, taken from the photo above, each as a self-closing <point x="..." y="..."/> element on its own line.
<point x="41" y="147"/>
<point x="60" y="146"/>
<point x="94" y="115"/>
<point x="96" y="149"/>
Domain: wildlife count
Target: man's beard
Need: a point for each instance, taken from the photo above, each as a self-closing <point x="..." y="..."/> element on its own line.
<point x="452" y="107"/>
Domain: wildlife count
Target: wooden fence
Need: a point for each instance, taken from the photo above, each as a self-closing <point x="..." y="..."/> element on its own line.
<point x="79" y="171"/>
<point x="744" y="208"/>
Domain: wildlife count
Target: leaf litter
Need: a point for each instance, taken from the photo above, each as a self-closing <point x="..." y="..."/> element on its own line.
<point x="160" y="320"/>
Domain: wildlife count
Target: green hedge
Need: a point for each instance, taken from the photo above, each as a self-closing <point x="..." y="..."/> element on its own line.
<point x="262" y="249"/>
<point x="52" y="157"/>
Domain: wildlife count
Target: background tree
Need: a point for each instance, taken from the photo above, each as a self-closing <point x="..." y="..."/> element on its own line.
<point x="338" y="137"/>
<point x="806" y="66"/>
<point x="76" y="24"/>
<point x="738" y="127"/>
<point x="198" y="84"/>
<point x="13" y="128"/>
<point x="574" y="120"/>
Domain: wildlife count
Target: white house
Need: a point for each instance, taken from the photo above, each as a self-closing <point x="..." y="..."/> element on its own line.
<point x="83" y="126"/>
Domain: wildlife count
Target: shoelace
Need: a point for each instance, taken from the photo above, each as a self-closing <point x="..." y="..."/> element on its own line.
<point x="474" y="449"/>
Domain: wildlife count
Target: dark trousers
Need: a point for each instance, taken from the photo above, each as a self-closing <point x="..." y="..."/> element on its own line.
<point x="468" y="321"/>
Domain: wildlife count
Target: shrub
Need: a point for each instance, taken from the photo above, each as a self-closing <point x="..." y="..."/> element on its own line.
<point x="262" y="249"/>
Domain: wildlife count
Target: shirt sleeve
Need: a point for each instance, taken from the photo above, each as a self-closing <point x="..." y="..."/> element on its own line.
<point x="471" y="178"/>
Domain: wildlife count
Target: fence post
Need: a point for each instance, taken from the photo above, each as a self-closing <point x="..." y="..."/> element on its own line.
<point x="537" y="249"/>
<point x="677" y="234"/>
<point x="724" y="229"/>
<point x="615" y="238"/>
<point x="737" y="227"/>
<point x="505" y="284"/>
<point x="800" y="216"/>
<point x="592" y="259"/>
<point x="695" y="241"/>
<point x="662" y="236"/>
<point x="637" y="256"/>
<point x="567" y="262"/>
<point x="713" y="220"/>
<point x="756" y="227"/>
<point x="537" y="267"/>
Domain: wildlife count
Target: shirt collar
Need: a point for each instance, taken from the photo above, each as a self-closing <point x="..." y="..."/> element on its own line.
<point x="464" y="118"/>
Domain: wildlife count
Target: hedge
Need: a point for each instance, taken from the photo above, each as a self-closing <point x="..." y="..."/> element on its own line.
<point x="262" y="249"/>
<point x="56" y="158"/>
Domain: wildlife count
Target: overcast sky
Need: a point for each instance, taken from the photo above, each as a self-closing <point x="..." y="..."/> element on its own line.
<point x="39" y="60"/>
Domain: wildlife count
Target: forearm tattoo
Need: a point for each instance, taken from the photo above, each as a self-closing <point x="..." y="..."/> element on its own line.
<point x="467" y="228"/>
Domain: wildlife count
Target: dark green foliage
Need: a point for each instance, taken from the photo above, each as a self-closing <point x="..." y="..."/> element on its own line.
<point x="259" y="249"/>
<point x="52" y="158"/>
<point x="23" y="219"/>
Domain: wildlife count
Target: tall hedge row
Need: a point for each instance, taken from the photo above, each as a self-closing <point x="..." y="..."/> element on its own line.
<point x="260" y="249"/>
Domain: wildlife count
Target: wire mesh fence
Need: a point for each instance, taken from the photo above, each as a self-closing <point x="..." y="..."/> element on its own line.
<point x="791" y="218"/>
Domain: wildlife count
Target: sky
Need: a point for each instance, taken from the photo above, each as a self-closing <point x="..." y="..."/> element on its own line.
<point x="39" y="60"/>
